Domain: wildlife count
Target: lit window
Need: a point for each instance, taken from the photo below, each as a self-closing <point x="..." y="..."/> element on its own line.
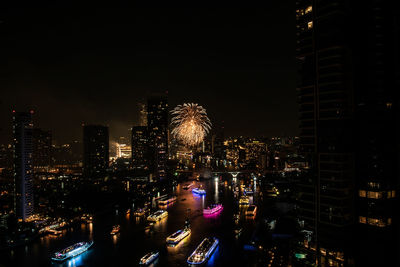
<point x="374" y="195"/>
<point x="389" y="105"/>
<point x="310" y="25"/>
<point x="308" y="9"/>
<point x="362" y="193"/>
<point x="362" y="219"/>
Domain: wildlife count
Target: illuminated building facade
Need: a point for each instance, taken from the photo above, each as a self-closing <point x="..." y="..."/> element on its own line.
<point x="140" y="147"/>
<point x="157" y="121"/>
<point x="347" y="129"/>
<point x="256" y="154"/>
<point x="42" y="149"/>
<point x="23" y="171"/>
<point x="95" y="150"/>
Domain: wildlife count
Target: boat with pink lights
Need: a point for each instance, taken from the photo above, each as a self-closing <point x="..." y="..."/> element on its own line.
<point x="213" y="209"/>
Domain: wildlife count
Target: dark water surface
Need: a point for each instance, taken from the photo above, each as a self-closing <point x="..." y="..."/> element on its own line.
<point x="133" y="241"/>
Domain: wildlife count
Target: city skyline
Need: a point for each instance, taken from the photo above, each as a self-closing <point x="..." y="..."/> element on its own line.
<point x="102" y="87"/>
<point x="226" y="137"/>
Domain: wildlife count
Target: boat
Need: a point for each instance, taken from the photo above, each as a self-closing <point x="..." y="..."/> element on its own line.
<point x="115" y="229"/>
<point x="166" y="200"/>
<point x="177" y="237"/>
<point x="244" y="200"/>
<point x="199" y="191"/>
<point x="140" y="212"/>
<point x="158" y="215"/>
<point x="251" y="211"/>
<point x="72" y="251"/>
<point x="238" y="231"/>
<point x="203" y="251"/>
<point x="187" y="186"/>
<point x="149" y="258"/>
<point x="248" y="191"/>
<point x="212" y="209"/>
<point x="87" y="218"/>
<point x="55" y="232"/>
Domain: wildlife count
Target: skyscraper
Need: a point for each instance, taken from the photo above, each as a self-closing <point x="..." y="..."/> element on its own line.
<point x="95" y="150"/>
<point x="23" y="173"/>
<point x="42" y="141"/>
<point x="142" y="114"/>
<point x="157" y="121"/>
<point x="347" y="127"/>
<point x="140" y="148"/>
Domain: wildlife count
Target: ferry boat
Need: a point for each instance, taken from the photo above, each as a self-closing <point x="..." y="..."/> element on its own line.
<point x="201" y="254"/>
<point x="212" y="209"/>
<point x="149" y="258"/>
<point x="87" y="218"/>
<point x="166" y="200"/>
<point x="199" y="191"/>
<point x="187" y="186"/>
<point x="177" y="237"/>
<point x="72" y="251"/>
<point x="55" y="232"/>
<point x="140" y="212"/>
<point x="115" y="230"/>
<point x="251" y="211"/>
<point x="158" y="215"/>
<point x="237" y="232"/>
<point x="248" y="191"/>
<point x="244" y="200"/>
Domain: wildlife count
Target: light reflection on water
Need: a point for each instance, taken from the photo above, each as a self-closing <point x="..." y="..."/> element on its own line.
<point x="133" y="242"/>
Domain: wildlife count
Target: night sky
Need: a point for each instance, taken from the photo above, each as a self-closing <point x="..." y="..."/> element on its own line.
<point x="73" y="65"/>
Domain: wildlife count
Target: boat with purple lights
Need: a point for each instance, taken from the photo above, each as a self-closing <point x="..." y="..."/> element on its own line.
<point x="203" y="251"/>
<point x="199" y="191"/>
<point x="213" y="209"/>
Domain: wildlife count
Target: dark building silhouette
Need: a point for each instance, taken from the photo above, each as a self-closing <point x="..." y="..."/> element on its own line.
<point x="23" y="172"/>
<point x="140" y="147"/>
<point x="349" y="58"/>
<point x="157" y="122"/>
<point x="95" y="150"/>
<point x="218" y="149"/>
<point x="42" y="149"/>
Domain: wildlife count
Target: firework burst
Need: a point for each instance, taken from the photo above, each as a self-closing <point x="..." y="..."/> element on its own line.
<point x="190" y="123"/>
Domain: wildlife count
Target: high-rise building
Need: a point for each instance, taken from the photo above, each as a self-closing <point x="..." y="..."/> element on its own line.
<point x="140" y="148"/>
<point x="218" y="149"/>
<point x="23" y="172"/>
<point x="142" y="114"/>
<point x="157" y="121"/>
<point x="123" y="149"/>
<point x="42" y="144"/>
<point x="347" y="128"/>
<point x="95" y="150"/>
<point x="376" y="48"/>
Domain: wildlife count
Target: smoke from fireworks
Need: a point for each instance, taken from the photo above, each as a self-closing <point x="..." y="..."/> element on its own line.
<point x="190" y="123"/>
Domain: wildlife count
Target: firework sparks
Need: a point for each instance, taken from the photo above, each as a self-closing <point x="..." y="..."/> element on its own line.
<point x="190" y="123"/>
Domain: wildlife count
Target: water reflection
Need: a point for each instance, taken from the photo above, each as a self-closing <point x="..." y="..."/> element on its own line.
<point x="76" y="261"/>
<point x="115" y="239"/>
<point x="118" y="251"/>
<point x="216" y="189"/>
